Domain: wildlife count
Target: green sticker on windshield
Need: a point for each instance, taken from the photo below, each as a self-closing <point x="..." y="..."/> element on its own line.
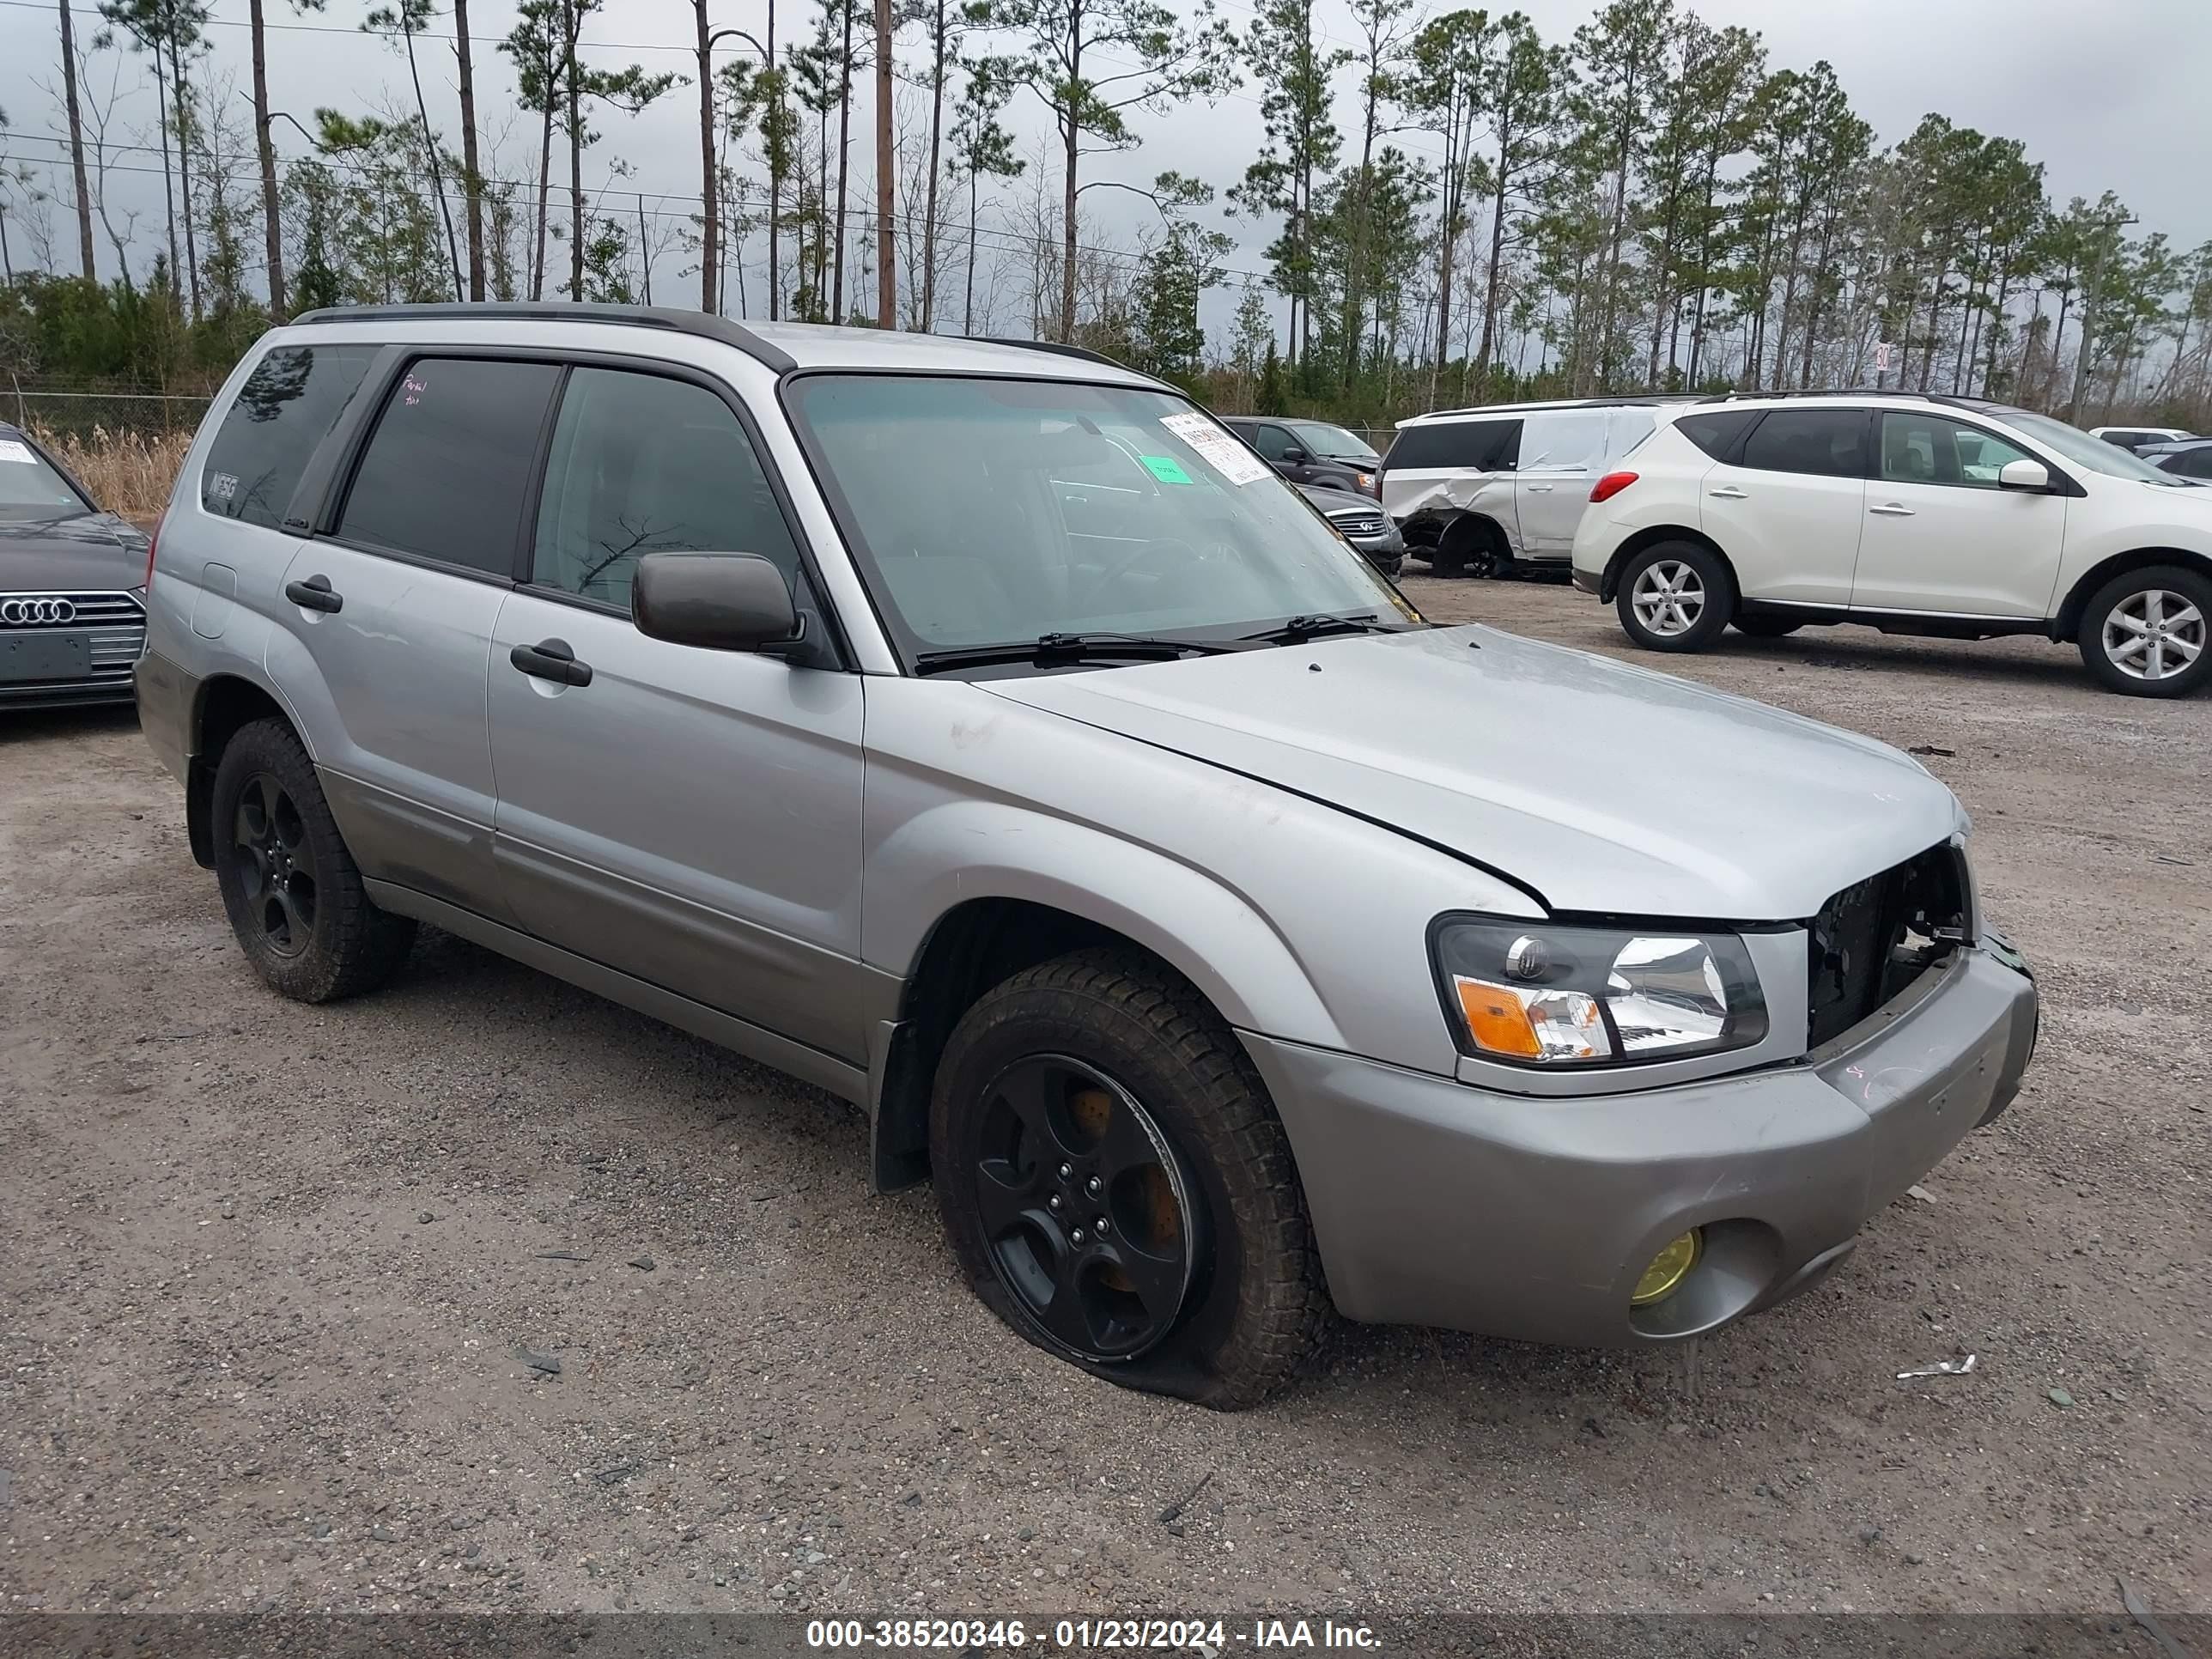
<point x="1165" y="468"/>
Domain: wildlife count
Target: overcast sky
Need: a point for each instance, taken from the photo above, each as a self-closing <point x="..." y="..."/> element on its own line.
<point x="2106" y="96"/>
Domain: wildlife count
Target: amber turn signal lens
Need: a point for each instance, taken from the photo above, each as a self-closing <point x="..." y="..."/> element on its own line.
<point x="1668" y="1269"/>
<point x="1496" y="1021"/>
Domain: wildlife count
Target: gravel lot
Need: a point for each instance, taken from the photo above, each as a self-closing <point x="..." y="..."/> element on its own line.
<point x="265" y="1270"/>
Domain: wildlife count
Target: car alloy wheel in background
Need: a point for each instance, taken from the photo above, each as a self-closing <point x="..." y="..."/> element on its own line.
<point x="1669" y="597"/>
<point x="2154" y="634"/>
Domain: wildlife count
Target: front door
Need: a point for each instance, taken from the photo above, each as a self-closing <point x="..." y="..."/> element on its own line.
<point x="393" y="612"/>
<point x="1942" y="536"/>
<point x="691" y="817"/>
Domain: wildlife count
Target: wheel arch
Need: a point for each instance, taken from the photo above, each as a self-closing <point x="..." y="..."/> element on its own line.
<point x="1458" y="538"/>
<point x="2066" y="626"/>
<point x="957" y="937"/>
<point x="223" y="703"/>
<point x="1609" y="582"/>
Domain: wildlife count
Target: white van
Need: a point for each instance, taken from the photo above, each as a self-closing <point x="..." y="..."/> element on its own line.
<point x="1476" y="489"/>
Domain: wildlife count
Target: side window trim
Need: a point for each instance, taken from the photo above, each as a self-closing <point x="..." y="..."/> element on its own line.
<point x="314" y="500"/>
<point x="391" y="363"/>
<point x="815" y="593"/>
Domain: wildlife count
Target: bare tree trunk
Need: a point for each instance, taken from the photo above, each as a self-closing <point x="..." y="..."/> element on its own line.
<point x="262" y="140"/>
<point x="710" y="229"/>
<point x="1496" y="248"/>
<point x="776" y="163"/>
<point x="472" y="185"/>
<point x="545" y="189"/>
<point x="644" y="249"/>
<point x="886" y="270"/>
<point x="169" y="196"/>
<point x="844" y="162"/>
<point x="968" y="315"/>
<point x="180" y="109"/>
<point x="573" y="93"/>
<point x="76" y="138"/>
<point x="929" y="204"/>
<point x="1070" y="132"/>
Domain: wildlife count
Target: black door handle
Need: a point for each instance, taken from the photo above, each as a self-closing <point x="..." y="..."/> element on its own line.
<point x="314" y="594"/>
<point x="551" y="660"/>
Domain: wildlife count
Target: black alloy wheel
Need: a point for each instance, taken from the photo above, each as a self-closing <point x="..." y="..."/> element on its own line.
<point x="1085" y="1209"/>
<point x="282" y="890"/>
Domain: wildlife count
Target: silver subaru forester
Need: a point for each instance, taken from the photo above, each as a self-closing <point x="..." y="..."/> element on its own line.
<point x="983" y="732"/>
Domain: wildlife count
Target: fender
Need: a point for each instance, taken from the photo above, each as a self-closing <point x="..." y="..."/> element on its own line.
<point x="960" y="850"/>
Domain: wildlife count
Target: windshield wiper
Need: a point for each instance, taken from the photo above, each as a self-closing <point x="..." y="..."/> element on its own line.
<point x="1310" y="628"/>
<point x="1071" y="648"/>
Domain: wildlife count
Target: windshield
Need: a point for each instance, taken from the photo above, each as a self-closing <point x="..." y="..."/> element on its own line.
<point x="993" y="511"/>
<point x="31" y="491"/>
<point x="2079" y="447"/>
<point x="1332" y="441"/>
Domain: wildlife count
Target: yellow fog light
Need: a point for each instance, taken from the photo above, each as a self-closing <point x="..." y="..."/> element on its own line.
<point x="1668" y="1270"/>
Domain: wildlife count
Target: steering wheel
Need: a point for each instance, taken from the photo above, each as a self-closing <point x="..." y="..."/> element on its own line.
<point x="1147" y="554"/>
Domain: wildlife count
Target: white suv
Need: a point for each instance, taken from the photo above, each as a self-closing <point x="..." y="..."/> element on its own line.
<point x="1942" y="516"/>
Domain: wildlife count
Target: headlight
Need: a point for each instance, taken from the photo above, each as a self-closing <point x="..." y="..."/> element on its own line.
<point x="1366" y="480"/>
<point x="1535" y="993"/>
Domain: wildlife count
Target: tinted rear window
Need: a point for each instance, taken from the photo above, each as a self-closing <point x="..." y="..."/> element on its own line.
<point x="446" y="472"/>
<point x="286" y="407"/>
<point x="1717" y="434"/>
<point x="1469" y="445"/>
<point x="1830" y="442"/>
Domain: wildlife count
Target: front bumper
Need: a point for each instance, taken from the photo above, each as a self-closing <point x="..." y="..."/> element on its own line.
<point x="1587" y="581"/>
<point x="1435" y="1203"/>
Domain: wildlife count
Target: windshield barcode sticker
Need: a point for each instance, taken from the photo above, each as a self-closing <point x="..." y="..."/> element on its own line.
<point x="1217" y="448"/>
<point x="11" y="450"/>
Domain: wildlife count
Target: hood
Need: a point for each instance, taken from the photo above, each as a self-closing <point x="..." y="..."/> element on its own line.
<point x="1600" y="785"/>
<point x="91" y="553"/>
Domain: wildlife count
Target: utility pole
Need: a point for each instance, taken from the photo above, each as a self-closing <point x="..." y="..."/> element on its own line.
<point x="886" y="269"/>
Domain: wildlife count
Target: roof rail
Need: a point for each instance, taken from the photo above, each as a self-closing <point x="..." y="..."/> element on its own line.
<point x="1854" y="392"/>
<point x="1627" y="400"/>
<point x="695" y="323"/>
<point x="1058" y="348"/>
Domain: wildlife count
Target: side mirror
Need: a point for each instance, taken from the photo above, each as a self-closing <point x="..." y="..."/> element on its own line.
<point x="719" y="601"/>
<point x="1296" y="457"/>
<point x="2031" y="476"/>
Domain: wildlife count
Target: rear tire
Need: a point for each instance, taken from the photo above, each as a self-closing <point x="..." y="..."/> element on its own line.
<point x="2148" y="633"/>
<point x="1675" y="596"/>
<point x="293" y="894"/>
<point x="1102" y="1085"/>
<point x="1765" y="628"/>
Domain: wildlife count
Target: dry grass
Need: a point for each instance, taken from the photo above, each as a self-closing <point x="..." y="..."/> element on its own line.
<point x="125" y="472"/>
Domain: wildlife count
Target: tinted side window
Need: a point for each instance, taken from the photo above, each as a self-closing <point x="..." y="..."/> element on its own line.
<point x="1475" y="445"/>
<point x="1271" y="441"/>
<point x="2191" y="463"/>
<point x="286" y="407"/>
<point x="447" y="469"/>
<point x="643" y="465"/>
<point x="1830" y="442"/>
<point x="1717" y="433"/>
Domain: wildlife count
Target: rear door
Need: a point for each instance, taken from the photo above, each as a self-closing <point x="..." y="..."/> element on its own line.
<point x="691" y="817"/>
<point x="1941" y="536"/>
<point x="1787" y="509"/>
<point x="1442" y="468"/>
<point x="388" y="618"/>
<point x="1561" y="450"/>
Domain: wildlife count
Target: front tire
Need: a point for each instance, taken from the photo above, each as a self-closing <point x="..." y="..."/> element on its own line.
<point x="1101" y="1087"/>
<point x="2145" y="632"/>
<point x="1675" y="596"/>
<point x="292" y="891"/>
